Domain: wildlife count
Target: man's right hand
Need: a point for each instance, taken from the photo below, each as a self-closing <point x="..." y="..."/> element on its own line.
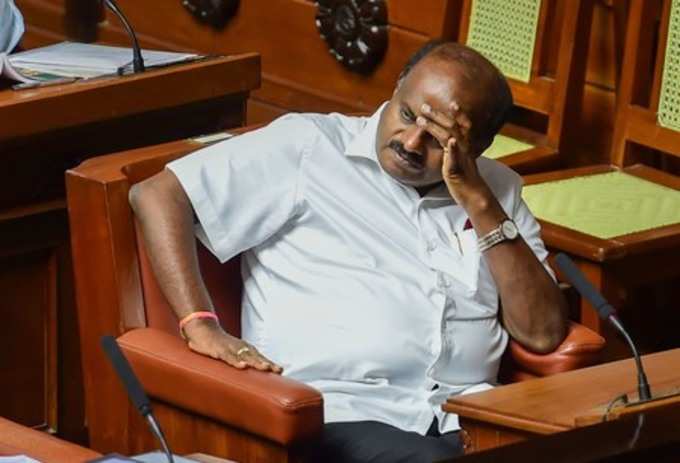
<point x="208" y="338"/>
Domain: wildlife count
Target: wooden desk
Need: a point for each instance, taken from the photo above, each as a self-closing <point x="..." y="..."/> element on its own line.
<point x="43" y="132"/>
<point x="650" y="436"/>
<point x="518" y="411"/>
<point x="20" y="440"/>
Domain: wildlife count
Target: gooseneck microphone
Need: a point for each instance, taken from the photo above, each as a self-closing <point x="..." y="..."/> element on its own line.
<point x="137" y="60"/>
<point x="134" y="390"/>
<point x="605" y="311"/>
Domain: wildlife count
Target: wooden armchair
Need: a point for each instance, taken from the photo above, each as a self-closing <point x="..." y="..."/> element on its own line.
<point x="539" y="46"/>
<point x="202" y="404"/>
<point x="621" y="222"/>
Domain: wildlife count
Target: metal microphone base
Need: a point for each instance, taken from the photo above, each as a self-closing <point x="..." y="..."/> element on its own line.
<point x="160" y="457"/>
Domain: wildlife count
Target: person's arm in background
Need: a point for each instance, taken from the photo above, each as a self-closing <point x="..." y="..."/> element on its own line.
<point x="165" y="215"/>
<point x="11" y="26"/>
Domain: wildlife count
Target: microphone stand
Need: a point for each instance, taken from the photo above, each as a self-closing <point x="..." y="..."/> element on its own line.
<point x="137" y="60"/>
<point x="644" y="392"/>
<point x="156" y="430"/>
<point x="606" y="312"/>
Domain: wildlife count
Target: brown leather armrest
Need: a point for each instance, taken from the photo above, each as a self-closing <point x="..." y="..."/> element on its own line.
<point x="265" y="404"/>
<point x="581" y="348"/>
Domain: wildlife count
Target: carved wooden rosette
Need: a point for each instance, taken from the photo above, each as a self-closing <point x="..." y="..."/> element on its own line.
<point x="215" y="13"/>
<point x="355" y="30"/>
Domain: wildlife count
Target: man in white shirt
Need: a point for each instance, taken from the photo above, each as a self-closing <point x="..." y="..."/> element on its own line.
<point x="11" y="26"/>
<point x="375" y="251"/>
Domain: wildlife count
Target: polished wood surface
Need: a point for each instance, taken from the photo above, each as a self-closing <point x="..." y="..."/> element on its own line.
<point x="117" y="97"/>
<point x="649" y="436"/>
<point x="44" y="132"/>
<point x="556" y="403"/>
<point x="16" y="439"/>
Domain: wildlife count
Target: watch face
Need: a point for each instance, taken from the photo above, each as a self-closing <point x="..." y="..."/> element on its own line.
<point x="509" y="229"/>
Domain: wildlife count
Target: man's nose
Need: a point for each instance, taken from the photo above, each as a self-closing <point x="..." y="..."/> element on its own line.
<point x="413" y="138"/>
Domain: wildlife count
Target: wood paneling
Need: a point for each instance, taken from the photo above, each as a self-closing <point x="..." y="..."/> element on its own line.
<point x="44" y="132"/>
<point x="557" y="403"/>
<point x="300" y="74"/>
<point x="28" y="286"/>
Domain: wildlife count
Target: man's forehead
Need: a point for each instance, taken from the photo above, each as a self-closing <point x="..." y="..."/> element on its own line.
<point x="436" y="82"/>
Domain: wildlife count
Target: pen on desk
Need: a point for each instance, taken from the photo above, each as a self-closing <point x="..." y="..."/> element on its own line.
<point x="43" y="83"/>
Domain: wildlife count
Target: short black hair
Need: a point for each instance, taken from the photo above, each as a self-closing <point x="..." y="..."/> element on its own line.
<point x="498" y="101"/>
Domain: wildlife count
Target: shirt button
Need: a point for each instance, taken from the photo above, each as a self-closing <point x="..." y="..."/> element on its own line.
<point x="431" y="246"/>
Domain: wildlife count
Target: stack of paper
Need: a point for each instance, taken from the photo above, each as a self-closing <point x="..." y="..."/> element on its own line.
<point x="78" y="60"/>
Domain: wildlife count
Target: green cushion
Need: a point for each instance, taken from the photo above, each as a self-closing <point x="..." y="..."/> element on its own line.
<point x="669" y="100"/>
<point x="505" y="32"/>
<point x="604" y="205"/>
<point x="503" y="146"/>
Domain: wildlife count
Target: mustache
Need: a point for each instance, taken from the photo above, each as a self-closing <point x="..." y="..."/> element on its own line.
<point x="415" y="158"/>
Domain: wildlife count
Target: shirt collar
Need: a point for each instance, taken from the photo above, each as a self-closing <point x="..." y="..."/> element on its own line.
<point x="363" y="144"/>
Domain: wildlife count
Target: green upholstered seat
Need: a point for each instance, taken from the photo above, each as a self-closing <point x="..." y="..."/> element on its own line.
<point x="505" y="32"/>
<point x="504" y="146"/>
<point x="669" y="99"/>
<point x="604" y="205"/>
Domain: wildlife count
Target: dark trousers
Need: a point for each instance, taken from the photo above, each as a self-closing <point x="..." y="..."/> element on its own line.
<point x="373" y="442"/>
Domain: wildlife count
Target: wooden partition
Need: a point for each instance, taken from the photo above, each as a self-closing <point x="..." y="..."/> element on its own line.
<point x="45" y="131"/>
<point x="299" y="72"/>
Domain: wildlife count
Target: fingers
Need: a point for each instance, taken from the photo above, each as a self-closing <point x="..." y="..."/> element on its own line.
<point x="443" y="126"/>
<point x="438" y="132"/>
<point x="236" y="353"/>
<point x="451" y="162"/>
<point x="254" y="359"/>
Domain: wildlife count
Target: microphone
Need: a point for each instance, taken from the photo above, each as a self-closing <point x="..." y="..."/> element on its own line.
<point x="605" y="311"/>
<point x="134" y="390"/>
<point x="137" y="60"/>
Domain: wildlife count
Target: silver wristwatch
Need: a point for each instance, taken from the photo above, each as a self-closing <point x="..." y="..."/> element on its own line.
<point x="506" y="231"/>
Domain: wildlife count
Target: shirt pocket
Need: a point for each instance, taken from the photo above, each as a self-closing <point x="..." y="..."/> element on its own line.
<point x="461" y="264"/>
<point x="475" y="348"/>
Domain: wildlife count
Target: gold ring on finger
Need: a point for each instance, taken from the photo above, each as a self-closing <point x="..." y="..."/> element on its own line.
<point x="242" y="350"/>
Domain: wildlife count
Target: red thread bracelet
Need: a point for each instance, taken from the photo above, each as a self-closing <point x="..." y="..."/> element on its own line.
<point x="194" y="316"/>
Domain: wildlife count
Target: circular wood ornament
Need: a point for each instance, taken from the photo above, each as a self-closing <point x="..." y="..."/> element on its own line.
<point x="215" y="13"/>
<point x="355" y="31"/>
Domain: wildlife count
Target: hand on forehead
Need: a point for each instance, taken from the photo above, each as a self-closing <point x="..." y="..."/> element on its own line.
<point x="444" y="86"/>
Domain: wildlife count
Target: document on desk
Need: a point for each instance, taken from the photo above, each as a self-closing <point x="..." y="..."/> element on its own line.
<point x="79" y="60"/>
<point x="18" y="459"/>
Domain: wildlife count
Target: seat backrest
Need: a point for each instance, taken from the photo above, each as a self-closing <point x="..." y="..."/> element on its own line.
<point x="223" y="281"/>
<point x="538" y="45"/>
<point x="648" y="99"/>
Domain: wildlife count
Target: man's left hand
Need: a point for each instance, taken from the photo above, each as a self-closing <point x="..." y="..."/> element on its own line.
<point x="459" y="166"/>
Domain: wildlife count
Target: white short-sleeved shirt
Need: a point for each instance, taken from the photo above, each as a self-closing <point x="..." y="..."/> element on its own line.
<point x="353" y="283"/>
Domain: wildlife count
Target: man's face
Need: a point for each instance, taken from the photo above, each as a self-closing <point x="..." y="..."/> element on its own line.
<point x="407" y="152"/>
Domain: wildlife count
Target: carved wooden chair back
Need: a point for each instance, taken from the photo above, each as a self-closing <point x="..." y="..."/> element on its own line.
<point x="539" y="46"/>
<point x="619" y="219"/>
<point x="648" y="103"/>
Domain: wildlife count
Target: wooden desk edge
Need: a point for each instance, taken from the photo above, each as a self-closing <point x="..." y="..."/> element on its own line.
<point x="502" y="419"/>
